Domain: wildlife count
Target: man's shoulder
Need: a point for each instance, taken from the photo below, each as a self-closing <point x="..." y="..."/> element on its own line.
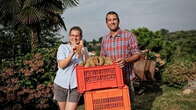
<point x="104" y="37"/>
<point x="107" y="34"/>
<point x="128" y="33"/>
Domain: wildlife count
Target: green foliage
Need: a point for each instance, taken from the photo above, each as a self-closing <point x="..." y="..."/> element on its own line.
<point x="145" y="37"/>
<point x="179" y="73"/>
<point x="13" y="43"/>
<point x="45" y="58"/>
<point x="184" y="43"/>
<point x="28" y="82"/>
<point x="16" y="43"/>
<point x="174" y="48"/>
<point x="94" y="46"/>
<point x="174" y="99"/>
<point x="154" y="41"/>
<point x="25" y="74"/>
<point x="36" y="15"/>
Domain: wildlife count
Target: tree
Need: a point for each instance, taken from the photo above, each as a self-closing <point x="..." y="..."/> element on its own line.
<point x="100" y="39"/>
<point x="33" y="13"/>
<point x="144" y="36"/>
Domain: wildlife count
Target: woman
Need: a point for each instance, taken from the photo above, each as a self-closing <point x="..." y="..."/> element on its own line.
<point x="65" y="83"/>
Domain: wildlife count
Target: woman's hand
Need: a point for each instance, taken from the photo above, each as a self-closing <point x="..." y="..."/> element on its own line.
<point x="77" y="48"/>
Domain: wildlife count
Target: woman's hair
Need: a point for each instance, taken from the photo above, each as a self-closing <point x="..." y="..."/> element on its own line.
<point x="76" y="28"/>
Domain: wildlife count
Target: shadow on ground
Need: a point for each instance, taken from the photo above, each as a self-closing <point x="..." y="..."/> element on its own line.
<point x="146" y="92"/>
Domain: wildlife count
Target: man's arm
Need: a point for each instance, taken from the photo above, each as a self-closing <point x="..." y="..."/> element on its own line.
<point x="122" y="61"/>
<point x="134" y="51"/>
<point x="133" y="58"/>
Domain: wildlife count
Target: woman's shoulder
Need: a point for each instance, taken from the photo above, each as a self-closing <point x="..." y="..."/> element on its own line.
<point x="64" y="46"/>
<point x="85" y="48"/>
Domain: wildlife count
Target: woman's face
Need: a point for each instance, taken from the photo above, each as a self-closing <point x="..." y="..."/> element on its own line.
<point x="74" y="37"/>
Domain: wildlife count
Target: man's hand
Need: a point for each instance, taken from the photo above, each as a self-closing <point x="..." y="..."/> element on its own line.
<point x="121" y="62"/>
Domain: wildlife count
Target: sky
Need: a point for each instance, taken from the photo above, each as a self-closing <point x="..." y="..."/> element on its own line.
<point x="173" y="15"/>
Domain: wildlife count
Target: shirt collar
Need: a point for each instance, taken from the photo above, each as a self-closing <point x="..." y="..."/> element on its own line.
<point x="117" y="35"/>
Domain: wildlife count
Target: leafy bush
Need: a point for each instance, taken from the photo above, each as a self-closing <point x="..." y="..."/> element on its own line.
<point x="176" y="48"/>
<point x="28" y="83"/>
<point x="178" y="73"/>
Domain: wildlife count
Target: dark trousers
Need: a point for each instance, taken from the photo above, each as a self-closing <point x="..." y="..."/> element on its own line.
<point x="129" y="83"/>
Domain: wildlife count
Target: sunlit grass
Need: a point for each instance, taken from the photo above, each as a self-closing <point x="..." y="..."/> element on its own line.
<point x="163" y="98"/>
<point x="173" y="99"/>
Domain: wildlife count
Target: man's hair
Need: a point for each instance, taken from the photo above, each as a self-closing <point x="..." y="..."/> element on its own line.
<point x="112" y="13"/>
<point x="76" y="28"/>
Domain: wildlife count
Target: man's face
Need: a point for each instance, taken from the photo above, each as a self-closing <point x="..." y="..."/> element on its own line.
<point x="75" y="37"/>
<point x="112" y="22"/>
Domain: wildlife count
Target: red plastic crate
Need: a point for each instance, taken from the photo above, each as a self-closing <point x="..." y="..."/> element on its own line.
<point x="108" y="99"/>
<point x="107" y="76"/>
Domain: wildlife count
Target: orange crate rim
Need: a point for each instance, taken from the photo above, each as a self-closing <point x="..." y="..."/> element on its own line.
<point x="107" y="76"/>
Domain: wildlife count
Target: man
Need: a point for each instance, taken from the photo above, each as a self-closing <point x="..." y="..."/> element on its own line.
<point x="121" y="46"/>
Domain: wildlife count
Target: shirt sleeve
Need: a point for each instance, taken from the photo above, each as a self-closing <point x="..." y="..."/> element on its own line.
<point x="62" y="52"/>
<point x="133" y="44"/>
<point x="85" y="51"/>
<point x="102" y="53"/>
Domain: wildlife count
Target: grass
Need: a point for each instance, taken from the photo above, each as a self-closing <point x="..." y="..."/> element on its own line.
<point x="173" y="99"/>
<point x="162" y="98"/>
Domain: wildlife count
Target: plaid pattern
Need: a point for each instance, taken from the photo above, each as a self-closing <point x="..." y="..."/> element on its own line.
<point x="123" y="45"/>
